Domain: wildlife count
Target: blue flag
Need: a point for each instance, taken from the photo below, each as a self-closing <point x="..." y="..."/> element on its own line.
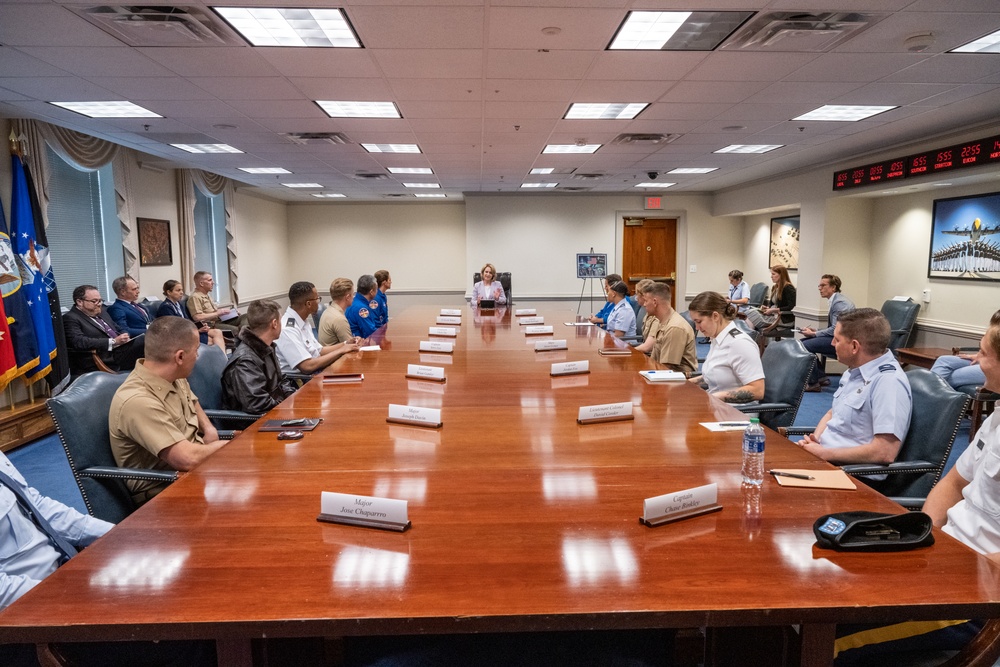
<point x="33" y="262"/>
<point x="22" y="333"/>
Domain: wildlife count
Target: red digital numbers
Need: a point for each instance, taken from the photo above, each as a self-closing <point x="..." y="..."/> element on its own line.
<point x="971" y="151"/>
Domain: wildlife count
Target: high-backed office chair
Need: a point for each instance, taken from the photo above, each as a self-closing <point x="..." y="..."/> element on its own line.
<point x="902" y="316"/>
<point x="80" y="414"/>
<point x="787" y="365"/>
<point x="317" y="316"/>
<point x="206" y="383"/>
<point x="936" y="413"/>
<point x="758" y="291"/>
<point x="504" y="279"/>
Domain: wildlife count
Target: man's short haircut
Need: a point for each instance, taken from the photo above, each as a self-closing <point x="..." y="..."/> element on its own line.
<point x="299" y="292"/>
<point x="381" y="276"/>
<point x="80" y="293"/>
<point x="166" y="335"/>
<point x="867" y="326"/>
<point x="261" y="313"/>
<point x="834" y="281"/>
<point x="659" y="290"/>
<point x="366" y="284"/>
<point x="119" y="284"/>
<point x="340" y="288"/>
<point x="199" y="275"/>
<point x="642" y="286"/>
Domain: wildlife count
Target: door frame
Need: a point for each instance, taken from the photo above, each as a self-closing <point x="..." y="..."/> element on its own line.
<point x="681" y="297"/>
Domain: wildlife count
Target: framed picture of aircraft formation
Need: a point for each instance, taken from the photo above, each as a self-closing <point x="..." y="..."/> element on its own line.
<point x="965" y="238"/>
<point x="785" y="242"/>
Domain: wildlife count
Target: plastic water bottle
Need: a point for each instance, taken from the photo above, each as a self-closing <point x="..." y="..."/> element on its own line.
<point x="753" y="454"/>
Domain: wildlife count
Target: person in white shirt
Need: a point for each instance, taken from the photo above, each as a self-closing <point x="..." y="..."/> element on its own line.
<point x="732" y="370"/>
<point x="298" y="349"/>
<point x="621" y="320"/>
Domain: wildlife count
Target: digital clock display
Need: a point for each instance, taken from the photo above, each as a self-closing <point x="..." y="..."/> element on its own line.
<point x="959" y="156"/>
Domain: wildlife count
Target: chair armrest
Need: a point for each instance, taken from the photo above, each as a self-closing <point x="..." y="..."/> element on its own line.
<point x="795" y="430"/>
<point x="763" y="407"/>
<point x="101" y="366"/>
<point x="231" y="418"/>
<point x="912" y="504"/>
<point x="299" y="377"/>
<point x="892" y="468"/>
<point x="143" y="474"/>
<point x="227" y="435"/>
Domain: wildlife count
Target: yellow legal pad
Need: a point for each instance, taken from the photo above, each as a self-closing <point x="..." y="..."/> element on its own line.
<point x="824" y="479"/>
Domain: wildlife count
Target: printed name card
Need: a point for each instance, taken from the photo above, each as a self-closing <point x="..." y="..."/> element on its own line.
<point x="451" y="312"/>
<point x="436" y="346"/>
<point x="680" y="505"/>
<point x="551" y="345"/>
<point x="414" y="416"/>
<point x="535" y="331"/>
<point x="447" y="332"/>
<point x="570" y="368"/>
<point x="448" y="320"/>
<point x="609" y="412"/>
<point x="531" y="320"/>
<point x="523" y="312"/>
<point x="418" y="372"/>
<point x="384" y="513"/>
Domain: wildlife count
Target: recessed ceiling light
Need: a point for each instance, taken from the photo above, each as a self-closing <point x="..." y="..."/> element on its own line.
<point x="359" y="109"/>
<point x="207" y="148"/>
<point x="539" y="185"/>
<point x="108" y="109"/>
<point x="430" y="194"/>
<point x="693" y="170"/>
<point x="328" y="195"/>
<point x="681" y="31"/>
<point x="654" y="185"/>
<point x="604" y="111"/>
<point x="302" y="185"/>
<point x="289" y="26"/>
<point x="264" y="170"/>
<point x="571" y="148"/>
<point x="421" y="185"/>
<point x="988" y="44"/>
<point x="748" y="148"/>
<point x="542" y="170"/>
<point x="391" y="148"/>
<point x="843" y="112"/>
<point x="410" y="170"/>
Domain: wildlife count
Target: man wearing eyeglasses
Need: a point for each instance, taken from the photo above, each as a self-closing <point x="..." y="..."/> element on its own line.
<point x="89" y="329"/>
<point x="298" y="349"/>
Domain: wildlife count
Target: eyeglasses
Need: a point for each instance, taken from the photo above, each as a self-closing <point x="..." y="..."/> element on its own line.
<point x="92" y="301"/>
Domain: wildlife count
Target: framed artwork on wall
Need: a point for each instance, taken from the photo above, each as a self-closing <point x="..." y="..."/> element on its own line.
<point x="965" y="238"/>
<point x="154" y="242"/>
<point x="785" y="242"/>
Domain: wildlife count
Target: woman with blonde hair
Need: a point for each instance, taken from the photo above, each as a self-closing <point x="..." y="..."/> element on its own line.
<point x="489" y="287"/>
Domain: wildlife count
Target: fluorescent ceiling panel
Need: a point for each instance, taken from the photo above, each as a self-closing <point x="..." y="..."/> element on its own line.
<point x="692" y="170"/>
<point x="421" y="185"/>
<point x="410" y="170"/>
<point x="207" y="148"/>
<point x="391" y="148"/>
<point x="328" y="195"/>
<point x="843" y="112"/>
<point x="539" y="185"/>
<point x="604" y="111"/>
<point x="359" y="109"/>
<point x="543" y="170"/>
<point x="571" y="148"/>
<point x="113" y="109"/>
<point x="676" y="31"/>
<point x="302" y="185"/>
<point x="290" y="26"/>
<point x="654" y="185"/>
<point x="430" y="194"/>
<point x="264" y="170"/>
<point x="748" y="148"/>
<point x="988" y="44"/>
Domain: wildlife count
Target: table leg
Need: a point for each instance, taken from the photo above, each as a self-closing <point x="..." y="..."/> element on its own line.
<point x="817" y="644"/>
<point x="234" y="652"/>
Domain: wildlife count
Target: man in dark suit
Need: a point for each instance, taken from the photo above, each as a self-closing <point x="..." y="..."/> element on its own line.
<point x="89" y="328"/>
<point x="128" y="315"/>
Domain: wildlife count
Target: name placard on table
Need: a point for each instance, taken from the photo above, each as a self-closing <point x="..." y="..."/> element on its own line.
<point x="551" y="345"/>
<point x="384" y="513"/>
<point x="418" y="372"/>
<point x="414" y="416"/>
<point x="451" y="312"/>
<point x="447" y="332"/>
<point x="531" y="320"/>
<point x="680" y="505"/>
<point x="537" y="330"/>
<point x="524" y="312"/>
<point x="436" y="346"/>
<point x="570" y="368"/>
<point x="608" y="412"/>
<point x="442" y="319"/>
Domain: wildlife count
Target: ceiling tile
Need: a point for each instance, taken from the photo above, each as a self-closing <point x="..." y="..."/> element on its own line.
<point x="17" y="64"/>
<point x="58" y="89"/>
<point x="645" y="65"/>
<point x="430" y="63"/>
<point x="248" y="88"/>
<point x="505" y="64"/>
<point x="521" y="28"/>
<point x="459" y="90"/>
<point x="48" y="20"/>
<point x="706" y="91"/>
<point x="156" y="88"/>
<point x="421" y="27"/>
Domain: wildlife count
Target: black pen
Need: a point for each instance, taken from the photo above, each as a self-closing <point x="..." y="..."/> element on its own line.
<point x="793" y="475"/>
<point x="724" y="424"/>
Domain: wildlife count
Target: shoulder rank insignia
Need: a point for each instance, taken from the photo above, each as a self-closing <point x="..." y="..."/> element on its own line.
<point x="290" y="322"/>
<point x="886" y="367"/>
<point x="735" y="332"/>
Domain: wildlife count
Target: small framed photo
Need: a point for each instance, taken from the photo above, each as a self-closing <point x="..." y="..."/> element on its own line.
<point x="591" y="265"/>
<point x="154" y="242"/>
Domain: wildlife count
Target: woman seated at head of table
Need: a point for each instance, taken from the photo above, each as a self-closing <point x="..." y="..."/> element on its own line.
<point x="489" y="287"/>
<point x="621" y="319"/>
<point x="732" y="370"/>
<point x="173" y="292"/>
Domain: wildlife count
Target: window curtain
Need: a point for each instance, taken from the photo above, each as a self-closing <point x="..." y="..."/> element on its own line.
<point x="89" y="154"/>
<point x="210" y="185"/>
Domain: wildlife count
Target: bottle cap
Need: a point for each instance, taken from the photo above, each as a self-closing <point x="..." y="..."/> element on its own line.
<point x="754" y="421"/>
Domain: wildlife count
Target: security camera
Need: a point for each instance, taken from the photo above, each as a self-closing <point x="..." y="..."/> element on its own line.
<point x="652" y="175"/>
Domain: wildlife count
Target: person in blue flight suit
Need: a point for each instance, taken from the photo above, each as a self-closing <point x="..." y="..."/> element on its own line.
<point x="363" y="318"/>
<point x="600" y="317"/>
<point x="384" y="281"/>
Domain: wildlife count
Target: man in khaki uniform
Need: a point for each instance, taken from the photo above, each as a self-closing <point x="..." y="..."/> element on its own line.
<point x="155" y="420"/>
<point x="203" y="309"/>
<point x="674" y="337"/>
<point x="333" y="326"/>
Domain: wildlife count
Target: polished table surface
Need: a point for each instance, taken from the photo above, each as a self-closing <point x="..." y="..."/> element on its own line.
<point x="522" y="519"/>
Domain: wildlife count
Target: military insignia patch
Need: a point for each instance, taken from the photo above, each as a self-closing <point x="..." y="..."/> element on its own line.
<point x="373" y="304"/>
<point x="363" y="313"/>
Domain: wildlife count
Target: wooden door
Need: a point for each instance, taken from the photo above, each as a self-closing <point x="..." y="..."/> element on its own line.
<point x="649" y="250"/>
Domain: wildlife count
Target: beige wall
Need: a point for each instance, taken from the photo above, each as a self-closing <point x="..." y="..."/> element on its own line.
<point x="262" y="246"/>
<point x="156" y="197"/>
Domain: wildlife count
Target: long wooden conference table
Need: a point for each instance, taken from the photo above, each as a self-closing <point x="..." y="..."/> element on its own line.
<point x="522" y="519"/>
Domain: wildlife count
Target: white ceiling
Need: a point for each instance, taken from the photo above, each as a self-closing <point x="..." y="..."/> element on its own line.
<point x="482" y="90"/>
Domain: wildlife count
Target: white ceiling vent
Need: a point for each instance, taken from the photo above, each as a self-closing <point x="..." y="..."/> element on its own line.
<point x="306" y="138"/>
<point x="369" y="177"/>
<point x="160" y="25"/>
<point x="798" y="31"/>
<point x="640" y="139"/>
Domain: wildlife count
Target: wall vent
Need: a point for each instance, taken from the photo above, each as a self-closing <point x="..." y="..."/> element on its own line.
<point x="798" y="31"/>
<point x="159" y="25"/>
<point x="307" y="138"/>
